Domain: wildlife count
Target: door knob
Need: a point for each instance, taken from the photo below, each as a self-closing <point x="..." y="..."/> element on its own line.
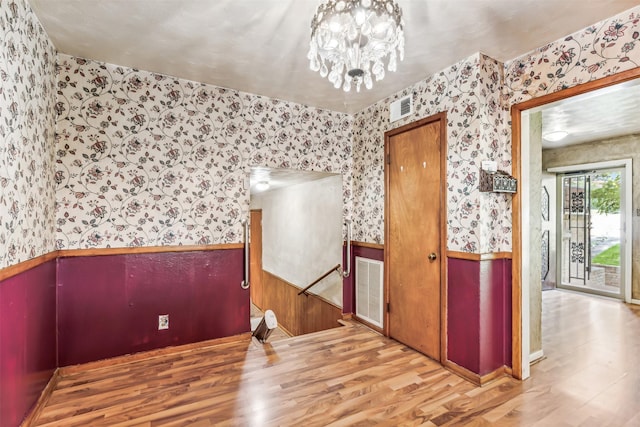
<point x="432" y="256"/>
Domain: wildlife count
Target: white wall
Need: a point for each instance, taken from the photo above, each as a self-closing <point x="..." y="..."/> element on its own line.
<point x="302" y="234"/>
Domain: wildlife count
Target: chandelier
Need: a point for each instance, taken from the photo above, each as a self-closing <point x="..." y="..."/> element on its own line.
<point x="350" y="40"/>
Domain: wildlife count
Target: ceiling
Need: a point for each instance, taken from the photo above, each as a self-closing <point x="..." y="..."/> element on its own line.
<point x="260" y="46"/>
<point x="280" y="178"/>
<point x="594" y="116"/>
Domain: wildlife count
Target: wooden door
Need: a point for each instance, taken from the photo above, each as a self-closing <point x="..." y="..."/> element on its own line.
<point x="413" y="235"/>
<point x="255" y="259"/>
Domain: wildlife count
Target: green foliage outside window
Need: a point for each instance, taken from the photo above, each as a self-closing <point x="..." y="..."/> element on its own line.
<point x="606" y="197"/>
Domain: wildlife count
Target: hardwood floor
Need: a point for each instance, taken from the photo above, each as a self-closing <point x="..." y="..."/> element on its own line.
<point x="592" y="355"/>
<point x="353" y="376"/>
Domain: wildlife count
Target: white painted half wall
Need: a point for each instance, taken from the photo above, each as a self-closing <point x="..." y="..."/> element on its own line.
<point x="302" y="234"/>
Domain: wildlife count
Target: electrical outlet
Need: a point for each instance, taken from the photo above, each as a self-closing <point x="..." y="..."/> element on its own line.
<point x="163" y="322"/>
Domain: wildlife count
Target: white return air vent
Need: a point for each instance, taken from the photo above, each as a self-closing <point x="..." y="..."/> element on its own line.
<point x="401" y="108"/>
<point x="369" y="296"/>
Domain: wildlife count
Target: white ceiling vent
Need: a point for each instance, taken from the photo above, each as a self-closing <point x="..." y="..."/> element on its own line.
<point x="401" y="108"/>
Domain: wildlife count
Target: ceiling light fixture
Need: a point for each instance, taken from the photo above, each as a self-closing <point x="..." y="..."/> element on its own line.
<point x="262" y="186"/>
<point x="555" y="136"/>
<point x="351" y="39"/>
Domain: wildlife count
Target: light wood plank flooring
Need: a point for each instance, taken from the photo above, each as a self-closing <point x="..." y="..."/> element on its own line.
<point x="353" y="376"/>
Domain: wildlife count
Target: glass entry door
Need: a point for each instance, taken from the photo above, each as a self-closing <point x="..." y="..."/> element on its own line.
<point x="590" y="226"/>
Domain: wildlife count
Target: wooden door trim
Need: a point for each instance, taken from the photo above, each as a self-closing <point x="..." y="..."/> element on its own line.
<point x="21" y="267"/>
<point x="69" y="253"/>
<point x="479" y="257"/>
<point x="366" y="245"/>
<point x="255" y="265"/>
<point x="442" y="118"/>
<point x="516" y="155"/>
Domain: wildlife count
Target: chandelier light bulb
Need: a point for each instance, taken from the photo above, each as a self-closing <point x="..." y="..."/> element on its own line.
<point x="354" y="40"/>
<point x="360" y="16"/>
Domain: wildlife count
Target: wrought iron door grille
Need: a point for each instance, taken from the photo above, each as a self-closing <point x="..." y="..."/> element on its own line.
<point x="576" y="225"/>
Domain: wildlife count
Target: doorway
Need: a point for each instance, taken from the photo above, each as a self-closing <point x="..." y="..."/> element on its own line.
<point x="414" y="234"/>
<point x="590" y="231"/>
<point x="255" y="258"/>
<point x="526" y="313"/>
<point x="296" y="240"/>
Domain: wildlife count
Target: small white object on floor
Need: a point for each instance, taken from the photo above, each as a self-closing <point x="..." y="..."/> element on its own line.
<point x="266" y="326"/>
<point x="270" y="319"/>
<point x="255" y="321"/>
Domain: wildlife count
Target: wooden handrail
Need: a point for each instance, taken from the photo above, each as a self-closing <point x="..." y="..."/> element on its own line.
<point x="315" y="282"/>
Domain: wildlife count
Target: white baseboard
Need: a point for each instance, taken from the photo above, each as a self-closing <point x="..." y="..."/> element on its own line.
<point x="635" y="301"/>
<point x="535" y="356"/>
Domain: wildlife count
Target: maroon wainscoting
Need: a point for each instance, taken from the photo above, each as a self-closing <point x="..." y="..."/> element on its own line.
<point x="349" y="283"/>
<point x="27" y="340"/>
<point x="507" y="310"/>
<point x="109" y="305"/>
<point x="479" y="314"/>
<point x="463" y="315"/>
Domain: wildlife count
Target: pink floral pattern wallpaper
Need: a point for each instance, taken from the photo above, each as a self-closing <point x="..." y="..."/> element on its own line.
<point x="144" y="159"/>
<point x="608" y="47"/>
<point x="27" y="128"/>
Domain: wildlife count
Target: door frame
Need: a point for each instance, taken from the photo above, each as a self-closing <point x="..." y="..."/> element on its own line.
<point x="520" y="210"/>
<point x="257" y="285"/>
<point x="626" y="201"/>
<point x="442" y="118"/>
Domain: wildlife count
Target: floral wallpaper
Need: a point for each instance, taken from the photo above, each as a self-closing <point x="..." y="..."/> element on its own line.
<point x="144" y="159"/>
<point x="608" y="47"/>
<point x="27" y="127"/>
<point x="470" y="93"/>
<point x="495" y="208"/>
<point x="477" y="93"/>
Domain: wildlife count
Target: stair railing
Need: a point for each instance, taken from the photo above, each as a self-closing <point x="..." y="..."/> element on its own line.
<point x="245" y="282"/>
<point x="347" y="271"/>
<point x="319" y="279"/>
